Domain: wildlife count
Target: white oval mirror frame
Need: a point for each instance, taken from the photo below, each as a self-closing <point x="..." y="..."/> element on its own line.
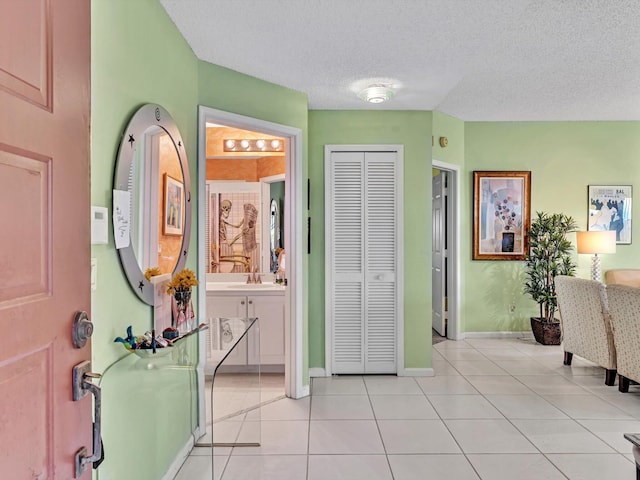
<point x="147" y="116"/>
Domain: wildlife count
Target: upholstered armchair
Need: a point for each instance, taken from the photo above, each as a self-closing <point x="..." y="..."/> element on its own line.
<point x="586" y="326"/>
<point x="624" y="307"/>
<point x="623" y="276"/>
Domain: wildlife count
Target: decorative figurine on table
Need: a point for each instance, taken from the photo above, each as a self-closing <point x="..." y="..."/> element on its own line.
<point x="180" y="289"/>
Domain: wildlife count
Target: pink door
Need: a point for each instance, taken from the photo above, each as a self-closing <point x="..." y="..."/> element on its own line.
<point x="44" y="234"/>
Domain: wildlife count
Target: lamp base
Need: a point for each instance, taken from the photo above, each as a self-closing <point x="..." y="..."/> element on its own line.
<point x="595" y="268"/>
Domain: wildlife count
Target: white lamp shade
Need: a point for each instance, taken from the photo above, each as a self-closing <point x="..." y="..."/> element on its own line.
<point x="597" y="242"/>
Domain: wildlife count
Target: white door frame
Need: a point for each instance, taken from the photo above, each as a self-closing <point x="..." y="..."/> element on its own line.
<point x="294" y="387"/>
<point x="328" y="149"/>
<point x="453" y="252"/>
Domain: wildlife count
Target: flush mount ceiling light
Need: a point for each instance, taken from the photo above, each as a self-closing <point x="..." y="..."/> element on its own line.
<point x="252" y="145"/>
<point x="376" y="93"/>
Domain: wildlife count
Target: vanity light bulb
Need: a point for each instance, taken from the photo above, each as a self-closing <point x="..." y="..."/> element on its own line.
<point x="260" y="144"/>
<point x="275" y="144"/>
<point x="244" y="144"/>
<point x="230" y="144"/>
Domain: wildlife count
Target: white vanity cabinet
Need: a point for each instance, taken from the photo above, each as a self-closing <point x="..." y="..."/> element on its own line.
<point x="268" y="307"/>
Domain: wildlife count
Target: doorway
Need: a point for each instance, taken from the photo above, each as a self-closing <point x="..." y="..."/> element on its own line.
<point x="445" y="291"/>
<point x="291" y="238"/>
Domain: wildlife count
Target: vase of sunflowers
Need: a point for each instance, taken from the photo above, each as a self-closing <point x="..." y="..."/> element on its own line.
<point x="180" y="288"/>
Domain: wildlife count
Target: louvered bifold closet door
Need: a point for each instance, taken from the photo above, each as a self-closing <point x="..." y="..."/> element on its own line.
<point x="380" y="262"/>
<point x="362" y="258"/>
<point x="346" y="259"/>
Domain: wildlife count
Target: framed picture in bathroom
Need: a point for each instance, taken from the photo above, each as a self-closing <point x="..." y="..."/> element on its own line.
<point x="501" y="214"/>
<point x="173" y="212"/>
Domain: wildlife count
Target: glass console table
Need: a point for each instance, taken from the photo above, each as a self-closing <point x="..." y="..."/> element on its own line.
<point x="232" y="380"/>
<point x="152" y="404"/>
<point x="149" y="410"/>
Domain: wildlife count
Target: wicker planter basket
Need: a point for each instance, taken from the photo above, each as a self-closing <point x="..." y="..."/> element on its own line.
<point x="546" y="333"/>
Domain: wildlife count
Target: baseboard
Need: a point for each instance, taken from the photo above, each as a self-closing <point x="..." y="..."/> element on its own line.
<point x="417" y="372"/>
<point x="317" y="372"/>
<point x="468" y="335"/>
<point x="179" y="459"/>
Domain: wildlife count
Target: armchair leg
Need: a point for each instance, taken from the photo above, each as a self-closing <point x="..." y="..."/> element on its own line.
<point x="623" y="384"/>
<point x="568" y="356"/>
<point x="610" y="377"/>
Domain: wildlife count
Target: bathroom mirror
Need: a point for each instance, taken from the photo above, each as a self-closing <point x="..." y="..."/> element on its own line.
<point x="274" y="232"/>
<point x="152" y="198"/>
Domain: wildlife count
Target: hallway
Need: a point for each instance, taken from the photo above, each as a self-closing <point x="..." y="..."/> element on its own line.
<point x="495" y="407"/>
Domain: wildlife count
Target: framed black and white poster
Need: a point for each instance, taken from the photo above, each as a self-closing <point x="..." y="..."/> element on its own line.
<point x="610" y="209"/>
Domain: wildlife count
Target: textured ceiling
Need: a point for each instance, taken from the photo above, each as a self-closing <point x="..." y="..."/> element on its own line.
<point x="477" y="60"/>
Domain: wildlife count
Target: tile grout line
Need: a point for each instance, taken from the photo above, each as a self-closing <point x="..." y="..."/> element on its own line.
<point x="375" y="419"/>
<point x="447" y="426"/>
<point x="516" y="428"/>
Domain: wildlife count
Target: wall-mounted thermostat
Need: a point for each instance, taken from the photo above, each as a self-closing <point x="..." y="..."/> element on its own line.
<point x="99" y="226"/>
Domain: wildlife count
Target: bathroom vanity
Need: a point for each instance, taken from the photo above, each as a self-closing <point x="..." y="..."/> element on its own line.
<point x="264" y="301"/>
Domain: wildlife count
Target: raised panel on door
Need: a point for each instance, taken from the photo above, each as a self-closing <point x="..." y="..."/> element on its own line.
<point x="45" y="64"/>
<point x="270" y="313"/>
<point x="346" y="214"/>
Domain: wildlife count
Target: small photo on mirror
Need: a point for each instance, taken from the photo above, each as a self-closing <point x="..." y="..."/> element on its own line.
<point x="173" y="214"/>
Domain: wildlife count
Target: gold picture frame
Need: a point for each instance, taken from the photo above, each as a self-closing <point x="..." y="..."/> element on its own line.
<point x="173" y="212"/>
<point x="501" y="214"/>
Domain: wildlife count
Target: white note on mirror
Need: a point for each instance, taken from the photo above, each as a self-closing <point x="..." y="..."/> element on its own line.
<point x="121" y="218"/>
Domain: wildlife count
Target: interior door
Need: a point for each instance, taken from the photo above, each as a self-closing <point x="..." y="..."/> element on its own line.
<point x="45" y="234"/>
<point x="363" y="247"/>
<point x="438" y="272"/>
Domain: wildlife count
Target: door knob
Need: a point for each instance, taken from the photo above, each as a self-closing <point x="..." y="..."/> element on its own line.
<point x="82" y="329"/>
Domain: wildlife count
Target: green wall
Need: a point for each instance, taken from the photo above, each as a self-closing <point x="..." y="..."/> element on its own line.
<point x="138" y="57"/>
<point x="413" y="130"/>
<point x="564" y="158"/>
<point x="453" y="129"/>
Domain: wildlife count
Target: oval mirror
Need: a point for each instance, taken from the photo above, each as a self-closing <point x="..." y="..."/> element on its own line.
<point x="151" y="198"/>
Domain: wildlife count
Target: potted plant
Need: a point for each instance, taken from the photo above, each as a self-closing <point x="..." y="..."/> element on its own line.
<point x="549" y="255"/>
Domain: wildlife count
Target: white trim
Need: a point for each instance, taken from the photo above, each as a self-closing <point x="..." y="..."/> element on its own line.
<point x="179" y="459"/>
<point x="280" y="177"/>
<point x="306" y="391"/>
<point x="317" y="372"/>
<point x="454" y="281"/>
<point x="399" y="149"/>
<point x="294" y="387"/>
<point x="417" y="372"/>
<point x="471" y="335"/>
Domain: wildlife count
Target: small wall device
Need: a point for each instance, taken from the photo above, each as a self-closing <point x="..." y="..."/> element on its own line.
<point x="99" y="226"/>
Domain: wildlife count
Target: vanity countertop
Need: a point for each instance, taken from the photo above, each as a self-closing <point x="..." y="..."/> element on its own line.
<point x="242" y="288"/>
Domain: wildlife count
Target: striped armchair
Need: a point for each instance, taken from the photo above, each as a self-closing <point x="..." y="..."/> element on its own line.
<point x="586" y="326"/>
<point x="624" y="306"/>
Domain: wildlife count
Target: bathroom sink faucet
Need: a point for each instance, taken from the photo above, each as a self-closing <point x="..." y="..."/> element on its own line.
<point x="254" y="277"/>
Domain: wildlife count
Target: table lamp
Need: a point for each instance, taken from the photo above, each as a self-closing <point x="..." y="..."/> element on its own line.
<point x="596" y="242"/>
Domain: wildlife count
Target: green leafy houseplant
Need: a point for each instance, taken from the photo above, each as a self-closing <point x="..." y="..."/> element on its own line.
<point x="549" y="255"/>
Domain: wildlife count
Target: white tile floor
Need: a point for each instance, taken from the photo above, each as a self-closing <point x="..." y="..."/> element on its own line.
<point x="496" y="410"/>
